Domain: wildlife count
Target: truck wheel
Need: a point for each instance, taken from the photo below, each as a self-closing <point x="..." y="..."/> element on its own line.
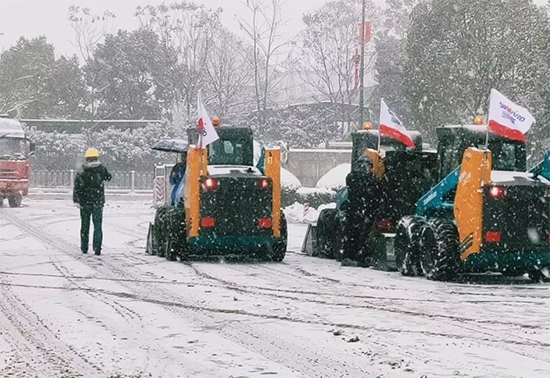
<point x="407" y="245"/>
<point x="15" y="200"/>
<point x="440" y="258"/>
<point x="326" y="233"/>
<point x="279" y="249"/>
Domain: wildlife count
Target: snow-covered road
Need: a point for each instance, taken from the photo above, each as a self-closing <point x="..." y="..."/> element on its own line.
<point x="127" y="314"/>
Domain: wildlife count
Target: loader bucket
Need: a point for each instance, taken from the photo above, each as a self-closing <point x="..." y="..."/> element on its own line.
<point x="309" y="246"/>
<point x="383" y="257"/>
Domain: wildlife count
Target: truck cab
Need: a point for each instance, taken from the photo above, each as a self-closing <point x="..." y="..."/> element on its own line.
<point x="15" y="150"/>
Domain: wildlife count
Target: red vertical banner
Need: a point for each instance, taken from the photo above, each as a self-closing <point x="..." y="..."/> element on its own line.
<point x="365" y="32"/>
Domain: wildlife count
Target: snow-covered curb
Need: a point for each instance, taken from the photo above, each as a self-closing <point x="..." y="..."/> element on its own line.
<point x="295" y="213"/>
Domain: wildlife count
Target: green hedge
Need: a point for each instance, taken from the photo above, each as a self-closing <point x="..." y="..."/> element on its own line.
<point x="315" y="199"/>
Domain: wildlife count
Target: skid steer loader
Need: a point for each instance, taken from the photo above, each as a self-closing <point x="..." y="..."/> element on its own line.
<point x="230" y="207"/>
<point x="407" y="174"/>
<point x="487" y="213"/>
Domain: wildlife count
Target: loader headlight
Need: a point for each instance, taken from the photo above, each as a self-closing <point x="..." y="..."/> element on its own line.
<point x="210" y="184"/>
<point x="497" y="192"/>
<point x="264" y="184"/>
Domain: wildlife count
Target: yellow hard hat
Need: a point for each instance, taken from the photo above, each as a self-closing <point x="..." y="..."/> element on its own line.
<point x="92" y="153"/>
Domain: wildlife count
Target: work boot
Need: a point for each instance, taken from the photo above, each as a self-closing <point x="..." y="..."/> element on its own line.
<point x="98" y="252"/>
<point x="349" y="262"/>
<point x="84" y="251"/>
<point x="366" y="262"/>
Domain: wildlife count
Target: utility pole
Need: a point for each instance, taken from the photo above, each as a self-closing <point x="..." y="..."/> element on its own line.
<point x="362" y="41"/>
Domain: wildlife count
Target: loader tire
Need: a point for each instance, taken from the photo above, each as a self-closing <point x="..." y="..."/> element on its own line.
<point x="159" y="231"/>
<point x="279" y="248"/>
<point x="326" y="234"/>
<point x="407" y="245"/>
<point x="440" y="259"/>
<point x="149" y="243"/>
<point x="175" y="237"/>
<point x="338" y="240"/>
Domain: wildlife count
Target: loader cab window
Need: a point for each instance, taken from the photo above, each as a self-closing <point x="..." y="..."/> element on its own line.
<point x="450" y="156"/>
<point x="508" y="156"/>
<point x="229" y="152"/>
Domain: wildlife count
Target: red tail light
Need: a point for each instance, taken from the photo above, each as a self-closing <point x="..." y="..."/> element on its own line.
<point x="264" y="184"/>
<point x="265" y="223"/>
<point x="496" y="192"/>
<point x="210" y="184"/>
<point x="208" y="222"/>
<point x="384" y="224"/>
<point x="493" y="237"/>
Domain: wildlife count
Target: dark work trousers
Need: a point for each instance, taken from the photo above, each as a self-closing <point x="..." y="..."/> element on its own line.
<point x="356" y="230"/>
<point x="95" y="212"/>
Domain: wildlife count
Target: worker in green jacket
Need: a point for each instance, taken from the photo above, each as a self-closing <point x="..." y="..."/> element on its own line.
<point x="89" y="196"/>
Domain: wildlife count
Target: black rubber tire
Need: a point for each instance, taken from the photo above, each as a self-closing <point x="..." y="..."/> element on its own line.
<point x="149" y="242"/>
<point x="326" y="234"/>
<point x="338" y="239"/>
<point x="407" y="245"/>
<point x="175" y="239"/>
<point x="159" y="231"/>
<point x="15" y="200"/>
<point x="279" y="249"/>
<point x="537" y="276"/>
<point x="440" y="258"/>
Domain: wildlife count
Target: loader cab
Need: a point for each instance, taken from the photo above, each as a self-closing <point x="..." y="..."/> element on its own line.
<point x="368" y="139"/>
<point x="407" y="173"/>
<point x="235" y="146"/>
<point x="508" y="155"/>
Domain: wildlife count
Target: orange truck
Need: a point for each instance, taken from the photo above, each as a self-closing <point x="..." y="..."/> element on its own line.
<point x="15" y="151"/>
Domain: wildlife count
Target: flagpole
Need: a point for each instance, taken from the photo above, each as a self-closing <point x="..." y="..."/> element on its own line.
<point x="487" y="125"/>
<point x="362" y="40"/>
<point x="379" y="121"/>
<point x="487" y="137"/>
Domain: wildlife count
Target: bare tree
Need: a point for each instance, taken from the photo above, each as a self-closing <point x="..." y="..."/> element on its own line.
<point x="90" y="29"/>
<point x="186" y="30"/>
<point x="262" y="28"/>
<point x="227" y="74"/>
<point x="328" y="51"/>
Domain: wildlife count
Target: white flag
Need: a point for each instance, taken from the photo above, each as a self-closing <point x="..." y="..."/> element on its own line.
<point x="508" y="119"/>
<point x="392" y="126"/>
<point x="207" y="132"/>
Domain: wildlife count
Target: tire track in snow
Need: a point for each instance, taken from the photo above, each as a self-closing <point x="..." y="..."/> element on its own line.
<point x="272" y="346"/>
<point x="33" y="340"/>
<point x="164" y="293"/>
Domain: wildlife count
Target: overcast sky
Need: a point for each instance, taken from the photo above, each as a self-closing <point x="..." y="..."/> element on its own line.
<point x="31" y="18"/>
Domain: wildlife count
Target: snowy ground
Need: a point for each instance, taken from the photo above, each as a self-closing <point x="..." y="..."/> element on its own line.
<point x="129" y="314"/>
